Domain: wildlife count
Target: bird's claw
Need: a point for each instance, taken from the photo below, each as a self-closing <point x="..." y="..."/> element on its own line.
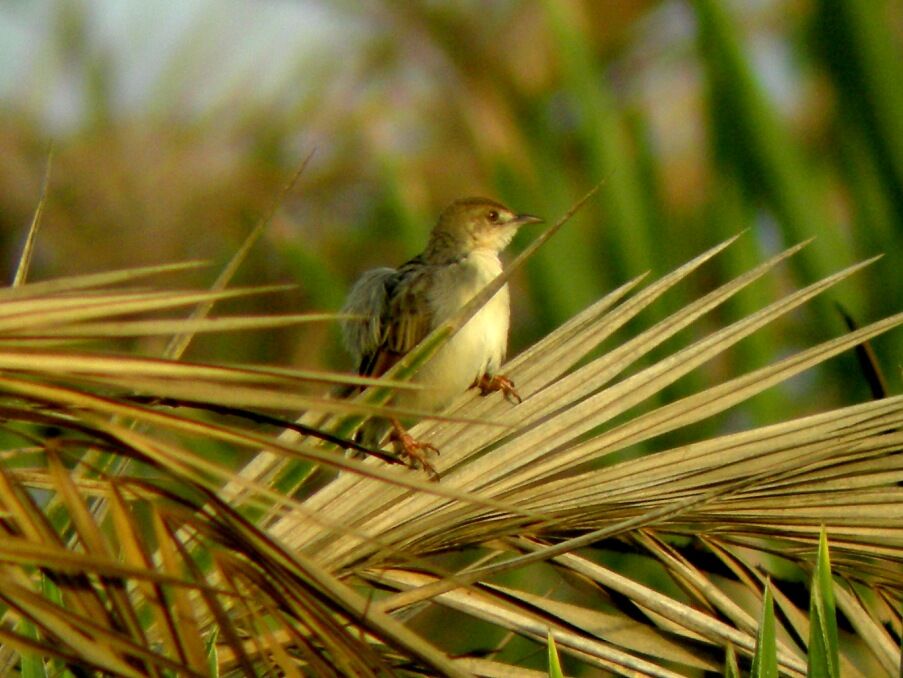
<point x="415" y="451"/>
<point x="499" y="382"/>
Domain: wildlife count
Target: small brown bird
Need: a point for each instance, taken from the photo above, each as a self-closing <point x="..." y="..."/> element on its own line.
<point x="396" y="308"/>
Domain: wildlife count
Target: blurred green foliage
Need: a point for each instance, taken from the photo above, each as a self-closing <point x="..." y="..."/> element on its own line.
<point x="705" y="118"/>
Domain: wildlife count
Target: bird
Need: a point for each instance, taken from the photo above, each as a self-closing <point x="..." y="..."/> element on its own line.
<point x="389" y="310"/>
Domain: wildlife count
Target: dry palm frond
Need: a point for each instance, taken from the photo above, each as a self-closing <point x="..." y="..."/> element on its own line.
<point x="140" y="588"/>
<point x="764" y="491"/>
<point x="334" y="582"/>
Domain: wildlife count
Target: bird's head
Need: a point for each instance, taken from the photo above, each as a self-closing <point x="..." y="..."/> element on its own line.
<point x="472" y="224"/>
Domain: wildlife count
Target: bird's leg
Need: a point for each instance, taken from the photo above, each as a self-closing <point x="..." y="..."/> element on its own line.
<point x="498" y="382"/>
<point x="414" y="450"/>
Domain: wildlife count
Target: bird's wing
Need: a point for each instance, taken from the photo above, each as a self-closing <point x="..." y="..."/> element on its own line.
<point x="367" y="300"/>
<point x="394" y="312"/>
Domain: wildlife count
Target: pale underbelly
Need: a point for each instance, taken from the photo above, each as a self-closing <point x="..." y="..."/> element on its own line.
<point x="478" y="348"/>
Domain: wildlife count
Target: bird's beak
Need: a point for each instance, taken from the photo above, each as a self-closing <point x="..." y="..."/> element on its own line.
<point x="524" y="219"/>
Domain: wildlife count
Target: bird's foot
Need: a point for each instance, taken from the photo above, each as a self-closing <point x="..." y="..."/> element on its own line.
<point x="498" y="382"/>
<point x="414" y="450"/>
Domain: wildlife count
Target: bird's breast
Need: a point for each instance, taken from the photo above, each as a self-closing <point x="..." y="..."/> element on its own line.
<point x="478" y="347"/>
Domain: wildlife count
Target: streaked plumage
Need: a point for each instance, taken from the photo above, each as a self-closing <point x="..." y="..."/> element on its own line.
<point x="399" y="307"/>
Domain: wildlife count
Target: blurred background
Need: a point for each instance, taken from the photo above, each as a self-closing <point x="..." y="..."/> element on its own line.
<point x="175" y="125"/>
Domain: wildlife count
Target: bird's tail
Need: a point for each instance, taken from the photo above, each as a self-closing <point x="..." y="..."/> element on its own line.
<point x="372" y="433"/>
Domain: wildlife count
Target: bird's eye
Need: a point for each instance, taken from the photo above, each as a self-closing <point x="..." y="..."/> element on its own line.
<point x="493" y="216"/>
